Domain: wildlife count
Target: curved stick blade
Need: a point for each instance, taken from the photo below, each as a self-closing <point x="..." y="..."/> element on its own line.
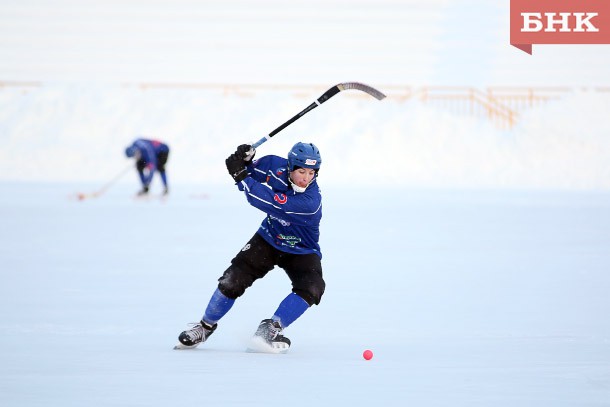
<point x="362" y="87"/>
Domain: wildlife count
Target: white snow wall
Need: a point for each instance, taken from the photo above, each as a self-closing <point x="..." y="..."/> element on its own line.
<point x="61" y="132"/>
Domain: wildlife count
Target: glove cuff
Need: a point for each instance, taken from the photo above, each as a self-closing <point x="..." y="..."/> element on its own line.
<point x="240" y="175"/>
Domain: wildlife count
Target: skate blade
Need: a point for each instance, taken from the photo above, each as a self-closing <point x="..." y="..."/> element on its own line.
<point x="258" y="345"/>
<point x="180" y="346"/>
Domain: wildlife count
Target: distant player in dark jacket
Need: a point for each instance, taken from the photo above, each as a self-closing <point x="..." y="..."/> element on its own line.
<point x="150" y="156"/>
<point x="287" y="191"/>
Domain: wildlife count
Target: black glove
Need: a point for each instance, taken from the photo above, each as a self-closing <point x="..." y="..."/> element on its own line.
<point x="242" y="152"/>
<point x="236" y="167"/>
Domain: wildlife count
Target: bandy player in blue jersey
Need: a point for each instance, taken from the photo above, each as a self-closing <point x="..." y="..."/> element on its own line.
<point x="150" y="156"/>
<point x="287" y="191"/>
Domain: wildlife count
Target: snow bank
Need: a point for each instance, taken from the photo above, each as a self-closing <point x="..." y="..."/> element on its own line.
<point x="71" y="132"/>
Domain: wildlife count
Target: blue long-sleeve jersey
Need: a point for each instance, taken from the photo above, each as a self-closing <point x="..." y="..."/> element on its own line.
<point x="149" y="149"/>
<point x="293" y="219"/>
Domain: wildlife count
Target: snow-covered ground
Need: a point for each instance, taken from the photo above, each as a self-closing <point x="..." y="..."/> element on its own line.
<point x="466" y="297"/>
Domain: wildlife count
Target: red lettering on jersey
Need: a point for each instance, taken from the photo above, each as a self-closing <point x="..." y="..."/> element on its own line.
<point x="280" y="198"/>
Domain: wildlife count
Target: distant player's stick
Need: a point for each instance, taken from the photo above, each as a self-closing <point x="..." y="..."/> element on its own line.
<point x="105" y="187"/>
<point x="327" y="95"/>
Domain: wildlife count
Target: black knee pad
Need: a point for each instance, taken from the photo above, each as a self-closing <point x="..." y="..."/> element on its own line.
<point x="311" y="292"/>
<point x="234" y="282"/>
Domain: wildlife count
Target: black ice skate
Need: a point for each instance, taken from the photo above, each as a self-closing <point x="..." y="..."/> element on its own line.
<point x="199" y="333"/>
<point x="269" y="339"/>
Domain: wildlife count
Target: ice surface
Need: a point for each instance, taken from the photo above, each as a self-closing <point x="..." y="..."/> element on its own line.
<point x="467" y="298"/>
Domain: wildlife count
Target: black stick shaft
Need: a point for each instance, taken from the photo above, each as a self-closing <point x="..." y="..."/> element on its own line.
<point x="325" y="96"/>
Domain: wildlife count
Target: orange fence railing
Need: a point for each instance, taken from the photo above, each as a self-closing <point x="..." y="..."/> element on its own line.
<point x="498" y="104"/>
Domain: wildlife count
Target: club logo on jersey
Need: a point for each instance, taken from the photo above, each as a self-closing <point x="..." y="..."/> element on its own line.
<point x="286" y="240"/>
<point x="279" y="172"/>
<point x="280" y="198"/>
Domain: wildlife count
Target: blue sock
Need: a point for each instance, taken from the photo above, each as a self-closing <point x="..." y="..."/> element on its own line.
<point x="218" y="306"/>
<point x="290" y="309"/>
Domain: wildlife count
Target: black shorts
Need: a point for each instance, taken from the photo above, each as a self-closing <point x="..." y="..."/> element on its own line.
<point x="161" y="161"/>
<point x="258" y="257"/>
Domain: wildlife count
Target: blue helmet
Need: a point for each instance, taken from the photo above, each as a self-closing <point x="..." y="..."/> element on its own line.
<point x="304" y="155"/>
<point x="131" y="151"/>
